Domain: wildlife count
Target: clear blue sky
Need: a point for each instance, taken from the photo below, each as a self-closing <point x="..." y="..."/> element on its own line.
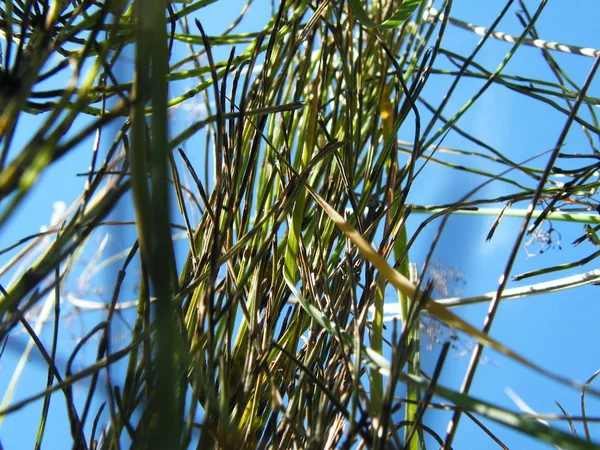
<point x="556" y="331"/>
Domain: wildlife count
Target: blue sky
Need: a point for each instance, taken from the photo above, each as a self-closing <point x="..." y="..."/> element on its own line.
<point x="556" y="331"/>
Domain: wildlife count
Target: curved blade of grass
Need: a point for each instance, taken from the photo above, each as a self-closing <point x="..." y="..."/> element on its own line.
<point x="521" y="423"/>
<point x="539" y="43"/>
<point x="563" y="216"/>
<point x="525" y="291"/>
<point x="397" y="18"/>
<point x="401" y="283"/>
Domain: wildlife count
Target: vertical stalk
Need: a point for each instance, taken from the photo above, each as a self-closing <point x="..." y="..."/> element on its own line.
<point x="151" y="202"/>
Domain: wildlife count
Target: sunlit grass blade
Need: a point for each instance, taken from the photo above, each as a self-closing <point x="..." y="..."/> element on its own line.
<point x="397" y="18"/>
<point x="401" y="283"/>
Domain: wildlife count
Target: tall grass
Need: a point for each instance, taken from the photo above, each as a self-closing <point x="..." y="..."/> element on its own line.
<point x="292" y="191"/>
